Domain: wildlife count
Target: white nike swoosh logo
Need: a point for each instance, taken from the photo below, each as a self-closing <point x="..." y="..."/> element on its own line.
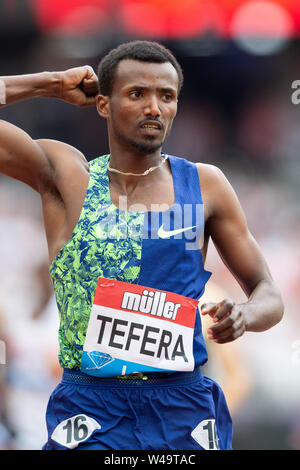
<point x="166" y="234"/>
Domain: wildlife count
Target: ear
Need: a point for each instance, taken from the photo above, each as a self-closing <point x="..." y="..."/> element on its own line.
<point x="102" y="104"/>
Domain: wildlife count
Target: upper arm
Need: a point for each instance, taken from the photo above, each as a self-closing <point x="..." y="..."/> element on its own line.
<point x="21" y="157"/>
<point x="43" y="164"/>
<point x="228" y="228"/>
<point x="67" y="165"/>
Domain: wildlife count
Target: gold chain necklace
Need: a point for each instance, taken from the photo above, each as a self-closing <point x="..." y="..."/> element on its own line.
<point x="138" y="174"/>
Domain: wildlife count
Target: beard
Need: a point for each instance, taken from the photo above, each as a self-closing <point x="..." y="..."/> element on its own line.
<point x="144" y="146"/>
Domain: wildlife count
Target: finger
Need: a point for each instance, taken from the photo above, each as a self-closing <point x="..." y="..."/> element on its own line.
<point x="224" y="325"/>
<point x="229" y="336"/>
<point x="209" y="309"/>
<point x="228" y="330"/>
<point x="231" y="320"/>
<point x="227" y="321"/>
<point x="90" y="72"/>
<point x="225" y="308"/>
<point x="89" y="81"/>
<point x="89" y="101"/>
<point x="90" y="88"/>
<point x="90" y="75"/>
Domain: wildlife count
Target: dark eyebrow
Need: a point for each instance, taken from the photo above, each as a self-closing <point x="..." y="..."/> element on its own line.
<point x="137" y="87"/>
<point x="141" y="88"/>
<point x="168" y="90"/>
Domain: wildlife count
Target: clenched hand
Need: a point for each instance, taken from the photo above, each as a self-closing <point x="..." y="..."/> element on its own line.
<point x="229" y="321"/>
<point x="79" y="86"/>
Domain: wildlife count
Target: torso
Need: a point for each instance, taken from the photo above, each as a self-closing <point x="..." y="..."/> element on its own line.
<point x="62" y="203"/>
<point x="107" y="243"/>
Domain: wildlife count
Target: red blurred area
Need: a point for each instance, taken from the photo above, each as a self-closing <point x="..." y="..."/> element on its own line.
<point x="166" y="18"/>
<point x="171" y="18"/>
<point x="71" y="16"/>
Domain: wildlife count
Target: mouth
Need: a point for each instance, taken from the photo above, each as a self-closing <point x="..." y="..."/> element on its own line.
<point x="151" y="125"/>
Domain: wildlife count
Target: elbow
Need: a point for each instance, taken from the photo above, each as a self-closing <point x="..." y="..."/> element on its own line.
<point x="278" y="308"/>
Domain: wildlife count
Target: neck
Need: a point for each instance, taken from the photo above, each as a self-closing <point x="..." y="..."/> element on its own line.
<point x="134" y="162"/>
<point x="130" y="160"/>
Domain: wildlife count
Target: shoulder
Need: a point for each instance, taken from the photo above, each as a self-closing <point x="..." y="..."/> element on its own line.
<point x="217" y="192"/>
<point x="212" y="180"/>
<point x="59" y="153"/>
<point x="209" y="173"/>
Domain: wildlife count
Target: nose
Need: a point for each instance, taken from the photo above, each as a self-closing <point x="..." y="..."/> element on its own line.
<point x="152" y="107"/>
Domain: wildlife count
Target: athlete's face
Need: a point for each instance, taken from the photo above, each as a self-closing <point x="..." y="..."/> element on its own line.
<point x="143" y="104"/>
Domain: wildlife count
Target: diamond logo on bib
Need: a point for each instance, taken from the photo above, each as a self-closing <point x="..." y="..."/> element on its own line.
<point x="134" y="328"/>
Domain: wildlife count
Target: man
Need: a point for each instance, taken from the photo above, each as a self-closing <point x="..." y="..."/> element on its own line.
<point x="127" y="236"/>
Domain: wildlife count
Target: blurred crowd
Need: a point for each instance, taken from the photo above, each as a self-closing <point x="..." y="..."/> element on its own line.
<point x="235" y="112"/>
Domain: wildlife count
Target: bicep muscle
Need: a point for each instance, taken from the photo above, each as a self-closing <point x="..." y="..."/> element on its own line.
<point x="21" y="157"/>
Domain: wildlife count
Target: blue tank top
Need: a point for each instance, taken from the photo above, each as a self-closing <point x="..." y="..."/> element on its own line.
<point x="157" y="249"/>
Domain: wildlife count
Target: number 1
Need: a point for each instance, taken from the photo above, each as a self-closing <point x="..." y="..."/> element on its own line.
<point x="212" y="435"/>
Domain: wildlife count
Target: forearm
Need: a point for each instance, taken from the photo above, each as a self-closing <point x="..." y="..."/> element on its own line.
<point x="264" y="307"/>
<point x="22" y="87"/>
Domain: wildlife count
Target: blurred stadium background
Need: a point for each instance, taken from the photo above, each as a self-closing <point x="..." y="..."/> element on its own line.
<point x="238" y="110"/>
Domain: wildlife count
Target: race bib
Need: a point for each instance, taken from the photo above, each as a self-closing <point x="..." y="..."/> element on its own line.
<point x="134" y="328"/>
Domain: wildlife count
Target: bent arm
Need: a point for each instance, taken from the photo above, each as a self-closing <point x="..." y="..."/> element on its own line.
<point x="77" y="86"/>
<point x="21" y="157"/>
<point x="243" y="257"/>
<point x="241" y="254"/>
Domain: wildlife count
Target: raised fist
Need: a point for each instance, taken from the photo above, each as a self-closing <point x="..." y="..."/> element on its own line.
<point x="79" y="86"/>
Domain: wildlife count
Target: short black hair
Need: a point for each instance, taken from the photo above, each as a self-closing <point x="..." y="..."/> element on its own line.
<point x="143" y="51"/>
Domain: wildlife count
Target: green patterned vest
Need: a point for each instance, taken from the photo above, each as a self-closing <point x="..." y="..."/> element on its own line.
<point x="98" y="247"/>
